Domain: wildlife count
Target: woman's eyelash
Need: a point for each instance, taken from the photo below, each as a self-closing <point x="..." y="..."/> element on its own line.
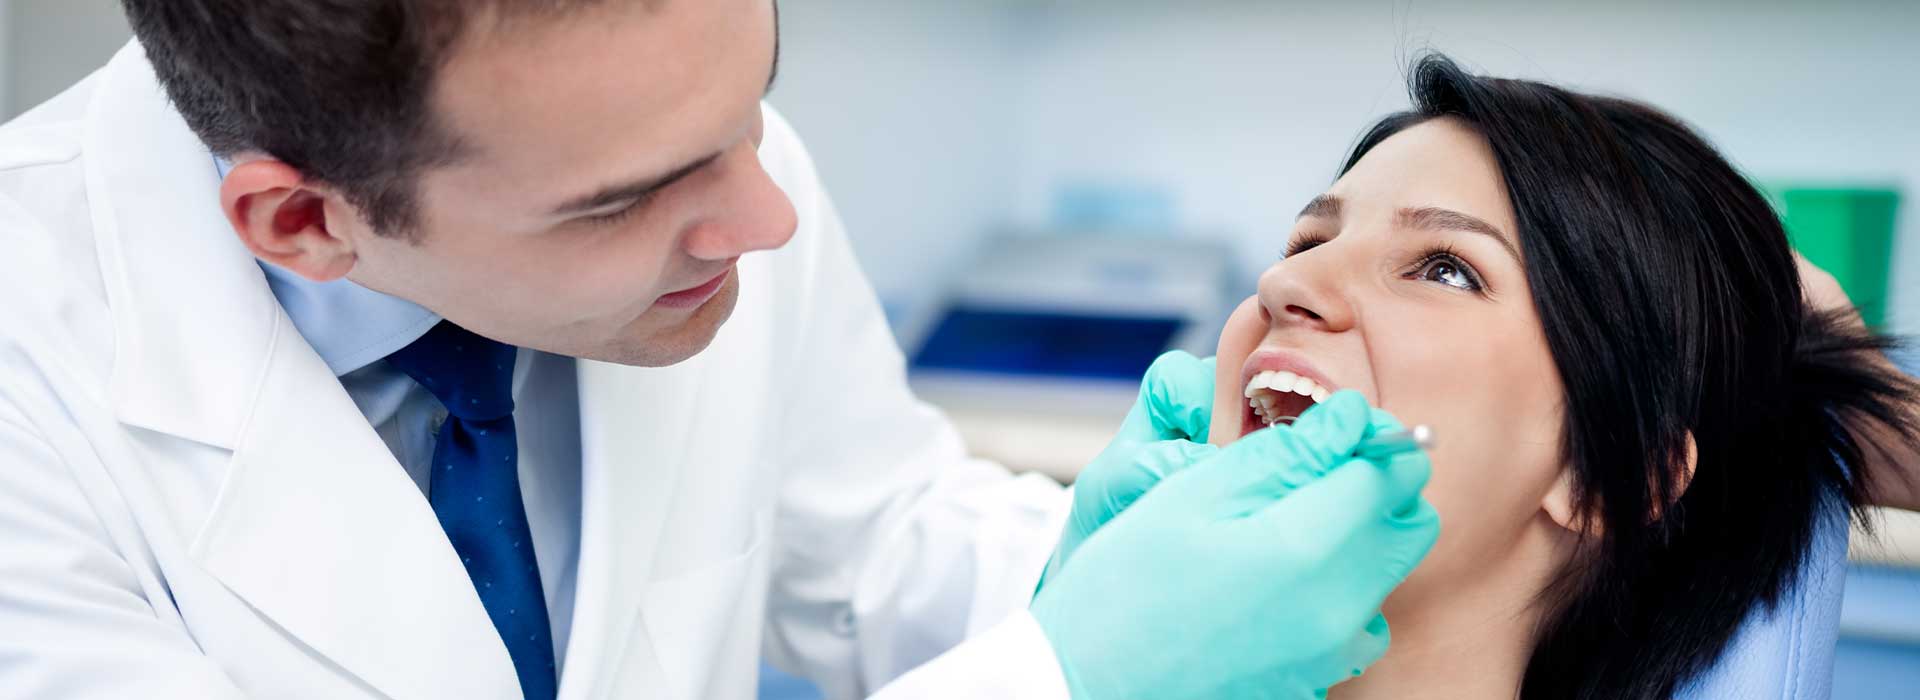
<point x="1445" y="254"/>
<point x="1440" y="254"/>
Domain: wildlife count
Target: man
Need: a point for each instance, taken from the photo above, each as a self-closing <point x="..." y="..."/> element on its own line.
<point x="436" y="348"/>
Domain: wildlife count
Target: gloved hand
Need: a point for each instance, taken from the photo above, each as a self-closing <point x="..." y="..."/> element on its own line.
<point x="1165" y="431"/>
<point x="1257" y="573"/>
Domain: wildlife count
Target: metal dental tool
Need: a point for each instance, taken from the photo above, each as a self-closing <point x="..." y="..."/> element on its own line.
<point x="1393" y="442"/>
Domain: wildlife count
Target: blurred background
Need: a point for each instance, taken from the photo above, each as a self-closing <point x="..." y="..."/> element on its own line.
<point x="1048" y="193"/>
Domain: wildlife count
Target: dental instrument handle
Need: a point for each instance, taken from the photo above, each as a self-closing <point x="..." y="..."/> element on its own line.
<point x="1393" y="442"/>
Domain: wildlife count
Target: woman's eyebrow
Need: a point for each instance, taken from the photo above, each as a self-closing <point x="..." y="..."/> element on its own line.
<point x="1437" y="219"/>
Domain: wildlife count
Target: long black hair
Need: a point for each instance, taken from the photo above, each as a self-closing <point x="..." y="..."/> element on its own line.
<point x="1673" y="309"/>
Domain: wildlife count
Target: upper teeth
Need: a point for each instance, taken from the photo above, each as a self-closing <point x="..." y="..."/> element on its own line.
<point x="1259" y="394"/>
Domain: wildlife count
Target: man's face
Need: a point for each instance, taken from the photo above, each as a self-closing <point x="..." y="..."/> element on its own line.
<point x="611" y="180"/>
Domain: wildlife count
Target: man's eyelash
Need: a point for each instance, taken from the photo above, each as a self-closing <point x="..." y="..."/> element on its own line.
<point x="621" y="214"/>
<point x="1303" y="244"/>
<point x="615" y="216"/>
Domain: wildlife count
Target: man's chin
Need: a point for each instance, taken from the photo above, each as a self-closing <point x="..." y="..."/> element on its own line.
<point x="677" y="341"/>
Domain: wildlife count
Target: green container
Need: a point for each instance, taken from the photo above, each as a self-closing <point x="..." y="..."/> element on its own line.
<point x="1849" y="233"/>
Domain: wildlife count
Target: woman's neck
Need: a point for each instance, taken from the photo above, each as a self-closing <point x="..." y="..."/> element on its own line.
<point x="1470" y="640"/>
<point x="1462" y="651"/>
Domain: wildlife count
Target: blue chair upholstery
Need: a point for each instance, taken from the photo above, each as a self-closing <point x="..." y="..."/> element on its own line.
<point x="1787" y="653"/>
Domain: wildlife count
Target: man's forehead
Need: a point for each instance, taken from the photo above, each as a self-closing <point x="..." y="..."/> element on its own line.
<point x="613" y="91"/>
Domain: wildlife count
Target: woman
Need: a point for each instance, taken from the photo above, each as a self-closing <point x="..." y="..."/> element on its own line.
<point x="1639" y="417"/>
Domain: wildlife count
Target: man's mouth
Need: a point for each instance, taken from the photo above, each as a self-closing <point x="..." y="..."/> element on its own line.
<point x="1278" y="389"/>
<point x="689" y="298"/>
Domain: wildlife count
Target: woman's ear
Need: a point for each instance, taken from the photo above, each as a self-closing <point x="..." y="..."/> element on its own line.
<point x="1559" y="501"/>
<point x="1559" y="505"/>
<point x="1680" y="481"/>
<point x="283" y="220"/>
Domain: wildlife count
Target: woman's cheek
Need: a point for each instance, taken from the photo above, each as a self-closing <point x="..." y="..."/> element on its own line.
<point x="1237" y="340"/>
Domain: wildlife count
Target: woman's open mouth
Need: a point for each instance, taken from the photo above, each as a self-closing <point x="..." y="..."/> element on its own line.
<point x="1278" y="389"/>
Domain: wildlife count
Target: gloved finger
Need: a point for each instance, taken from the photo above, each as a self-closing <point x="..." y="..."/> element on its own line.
<point x="1341" y="662"/>
<point x="1126" y="477"/>
<point x="1269" y="464"/>
<point x="1406" y="473"/>
<point x="1331" y="429"/>
<point x="1175" y="402"/>
<point x="1358" y="501"/>
<point x="1380" y="421"/>
<point x="1363" y="648"/>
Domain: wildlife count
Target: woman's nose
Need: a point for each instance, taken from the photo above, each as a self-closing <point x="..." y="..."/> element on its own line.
<point x="751" y="212"/>
<point x="1301" y="290"/>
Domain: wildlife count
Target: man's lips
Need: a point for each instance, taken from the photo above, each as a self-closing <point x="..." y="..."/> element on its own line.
<point x="688" y="298"/>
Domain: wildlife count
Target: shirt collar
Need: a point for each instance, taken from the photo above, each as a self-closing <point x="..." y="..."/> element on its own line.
<point x="350" y="326"/>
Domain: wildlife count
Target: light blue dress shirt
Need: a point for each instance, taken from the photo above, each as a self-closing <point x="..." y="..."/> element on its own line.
<point x="354" y="329"/>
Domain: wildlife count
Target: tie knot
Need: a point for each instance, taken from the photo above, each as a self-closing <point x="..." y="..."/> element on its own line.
<point x="472" y="376"/>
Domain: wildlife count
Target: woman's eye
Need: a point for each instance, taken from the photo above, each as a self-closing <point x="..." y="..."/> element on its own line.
<point x="1450" y="271"/>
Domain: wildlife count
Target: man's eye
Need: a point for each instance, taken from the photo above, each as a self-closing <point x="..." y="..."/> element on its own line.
<point x="1448" y="270"/>
<point x="1302" y="245"/>
<point x="615" y="216"/>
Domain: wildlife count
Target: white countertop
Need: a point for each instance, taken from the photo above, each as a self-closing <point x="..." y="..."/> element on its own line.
<point x="1897" y="544"/>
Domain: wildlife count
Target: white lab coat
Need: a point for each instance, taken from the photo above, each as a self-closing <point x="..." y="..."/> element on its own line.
<point x="191" y="506"/>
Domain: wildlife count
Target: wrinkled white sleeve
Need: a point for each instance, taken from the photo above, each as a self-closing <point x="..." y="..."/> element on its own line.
<point x="893" y="545"/>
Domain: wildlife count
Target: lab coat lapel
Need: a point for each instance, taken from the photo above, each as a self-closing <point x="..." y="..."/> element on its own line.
<point x="656" y="446"/>
<point x="637" y="425"/>
<point x="322" y="530"/>
<point x="316" y="526"/>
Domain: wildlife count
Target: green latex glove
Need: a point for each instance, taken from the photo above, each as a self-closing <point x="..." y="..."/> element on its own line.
<point x="1164" y="432"/>
<point x="1256" y="573"/>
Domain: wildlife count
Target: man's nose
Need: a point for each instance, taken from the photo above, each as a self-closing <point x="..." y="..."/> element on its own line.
<point x="752" y="212"/>
<point x="1306" y="289"/>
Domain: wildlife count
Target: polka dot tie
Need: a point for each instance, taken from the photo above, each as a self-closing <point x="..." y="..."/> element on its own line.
<point x="475" y="490"/>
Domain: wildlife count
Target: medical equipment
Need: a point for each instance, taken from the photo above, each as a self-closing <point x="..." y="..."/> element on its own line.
<point x="1084" y="307"/>
<point x="1036" y="348"/>
<point x="1393" y="442"/>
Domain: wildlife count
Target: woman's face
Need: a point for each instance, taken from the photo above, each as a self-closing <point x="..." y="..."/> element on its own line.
<point x="1404" y="282"/>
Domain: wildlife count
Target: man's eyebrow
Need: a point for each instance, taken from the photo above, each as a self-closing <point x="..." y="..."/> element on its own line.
<point x="640" y="189"/>
<point x="1325" y="206"/>
<point x="773" y="72"/>
<point x="613" y="194"/>
<point x="1438" y="219"/>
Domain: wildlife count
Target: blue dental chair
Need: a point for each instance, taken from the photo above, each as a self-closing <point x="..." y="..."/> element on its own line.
<point x="1787" y="653"/>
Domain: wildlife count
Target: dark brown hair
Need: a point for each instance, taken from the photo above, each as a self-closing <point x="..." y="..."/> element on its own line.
<point x="339" y="89"/>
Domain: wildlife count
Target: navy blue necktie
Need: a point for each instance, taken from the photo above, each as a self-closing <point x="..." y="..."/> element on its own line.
<point x="475" y="490"/>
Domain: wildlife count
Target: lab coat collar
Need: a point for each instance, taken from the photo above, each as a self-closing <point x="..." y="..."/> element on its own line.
<point x="348" y="325"/>
<point x="191" y="311"/>
<point x="316" y="525"/>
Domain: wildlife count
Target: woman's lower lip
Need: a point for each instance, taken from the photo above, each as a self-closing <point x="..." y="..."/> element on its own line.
<point x="696" y="296"/>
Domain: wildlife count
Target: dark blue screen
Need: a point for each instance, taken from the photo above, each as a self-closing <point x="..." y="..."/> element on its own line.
<point x="1052" y="344"/>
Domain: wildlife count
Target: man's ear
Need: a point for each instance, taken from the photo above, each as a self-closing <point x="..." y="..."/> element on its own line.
<point x="282" y="218"/>
<point x="1559" y="505"/>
